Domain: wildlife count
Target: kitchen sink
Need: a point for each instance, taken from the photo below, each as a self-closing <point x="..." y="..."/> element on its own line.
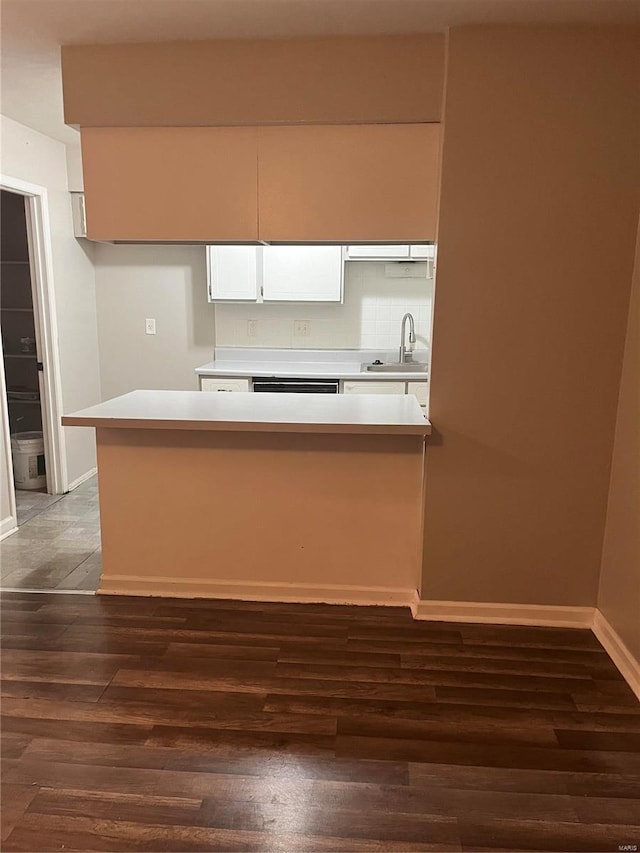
<point x="396" y="367"/>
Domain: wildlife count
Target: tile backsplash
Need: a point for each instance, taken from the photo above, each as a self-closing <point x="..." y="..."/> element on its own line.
<point x="369" y="318"/>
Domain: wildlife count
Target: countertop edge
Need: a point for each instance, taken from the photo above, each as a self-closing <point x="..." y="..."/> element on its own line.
<point x="243" y="426"/>
<point x="364" y="376"/>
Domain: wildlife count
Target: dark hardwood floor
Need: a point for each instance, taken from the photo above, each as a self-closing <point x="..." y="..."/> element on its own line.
<point x="164" y="725"/>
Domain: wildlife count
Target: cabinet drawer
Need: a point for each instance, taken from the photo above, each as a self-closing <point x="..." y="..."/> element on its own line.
<point x="419" y="390"/>
<point x="364" y="387"/>
<point x="208" y="383"/>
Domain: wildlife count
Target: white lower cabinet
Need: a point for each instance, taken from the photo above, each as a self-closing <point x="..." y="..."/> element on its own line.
<point x="208" y="383"/>
<point x="419" y="391"/>
<point x="364" y="387"/>
<point x="356" y="386"/>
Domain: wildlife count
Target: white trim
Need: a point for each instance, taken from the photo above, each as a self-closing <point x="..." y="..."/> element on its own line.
<point x="255" y="590"/>
<point x="540" y="615"/>
<point x="7" y="527"/>
<point x="82" y="479"/>
<point x="618" y="652"/>
<point x="497" y="613"/>
<point x="10" y="523"/>
<point x="41" y="264"/>
<point x="4" y="589"/>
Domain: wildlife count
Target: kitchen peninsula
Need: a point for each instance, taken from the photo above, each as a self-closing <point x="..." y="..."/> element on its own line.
<point x="266" y="497"/>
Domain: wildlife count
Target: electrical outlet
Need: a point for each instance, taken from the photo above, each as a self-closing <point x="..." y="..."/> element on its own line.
<point x="406" y="269"/>
<point x="150" y="326"/>
<point x="301" y="328"/>
<point x="252" y="328"/>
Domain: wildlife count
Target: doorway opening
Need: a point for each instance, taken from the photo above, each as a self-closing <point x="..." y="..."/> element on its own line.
<point x="20" y="352"/>
<point x="30" y="388"/>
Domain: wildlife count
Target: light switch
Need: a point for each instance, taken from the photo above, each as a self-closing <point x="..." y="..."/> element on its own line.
<point x="150" y="326"/>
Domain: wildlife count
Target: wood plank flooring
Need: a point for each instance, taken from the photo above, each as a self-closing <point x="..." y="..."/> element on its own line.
<point x="169" y="725"/>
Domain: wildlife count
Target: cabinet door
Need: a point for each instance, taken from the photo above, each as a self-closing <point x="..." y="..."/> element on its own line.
<point x="197" y="184"/>
<point x="348" y="183"/>
<point x="232" y="273"/>
<point x="302" y="273"/>
<point x="365" y="387"/>
<point x="376" y="253"/>
<point x="211" y="383"/>
<point x="419" y="391"/>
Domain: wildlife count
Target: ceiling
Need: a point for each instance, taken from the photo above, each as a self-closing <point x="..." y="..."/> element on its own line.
<point x="33" y="30"/>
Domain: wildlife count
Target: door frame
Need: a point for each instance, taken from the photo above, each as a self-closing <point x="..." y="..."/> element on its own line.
<point x="44" y="310"/>
<point x="10" y="523"/>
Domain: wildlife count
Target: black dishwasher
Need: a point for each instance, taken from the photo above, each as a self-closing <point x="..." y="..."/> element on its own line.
<point x="274" y="385"/>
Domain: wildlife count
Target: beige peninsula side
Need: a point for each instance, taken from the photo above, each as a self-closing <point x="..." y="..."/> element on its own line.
<point x="308" y="497"/>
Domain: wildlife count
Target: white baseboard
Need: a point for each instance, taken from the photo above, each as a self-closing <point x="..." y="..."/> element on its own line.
<point x="255" y="591"/>
<point x="493" y="613"/>
<point x="618" y="652"/>
<point x="46" y="591"/>
<point x="496" y="613"/>
<point x="82" y="479"/>
<point x="8" y="526"/>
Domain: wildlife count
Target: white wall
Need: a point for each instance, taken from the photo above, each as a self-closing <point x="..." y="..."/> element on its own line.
<point x="369" y="318"/>
<point x="30" y="156"/>
<point x="167" y="283"/>
<point x="75" y="178"/>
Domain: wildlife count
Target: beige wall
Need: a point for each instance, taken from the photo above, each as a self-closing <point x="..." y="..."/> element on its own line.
<point x="167" y="283"/>
<point x="619" y="593"/>
<point x="538" y="213"/>
<point x="38" y="159"/>
<point x="337" y="80"/>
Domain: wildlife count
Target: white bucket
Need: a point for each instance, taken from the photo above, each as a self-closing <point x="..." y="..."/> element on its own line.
<point x="27" y="449"/>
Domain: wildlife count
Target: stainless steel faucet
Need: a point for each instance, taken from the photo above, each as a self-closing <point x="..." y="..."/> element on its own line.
<point x="407" y="355"/>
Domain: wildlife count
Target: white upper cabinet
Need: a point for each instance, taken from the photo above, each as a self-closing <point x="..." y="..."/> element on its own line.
<point x="232" y="273"/>
<point x="422" y="251"/>
<point x="379" y="252"/>
<point x="275" y="273"/>
<point x="302" y="273"/>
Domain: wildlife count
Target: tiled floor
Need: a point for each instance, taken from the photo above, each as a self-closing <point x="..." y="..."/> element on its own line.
<point x="57" y="545"/>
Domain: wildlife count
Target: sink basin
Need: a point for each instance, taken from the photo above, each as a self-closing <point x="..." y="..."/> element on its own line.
<point x="397" y="367"/>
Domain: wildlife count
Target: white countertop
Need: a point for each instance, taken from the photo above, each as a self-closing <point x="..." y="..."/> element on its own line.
<point x="377" y="414"/>
<point x="306" y="364"/>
